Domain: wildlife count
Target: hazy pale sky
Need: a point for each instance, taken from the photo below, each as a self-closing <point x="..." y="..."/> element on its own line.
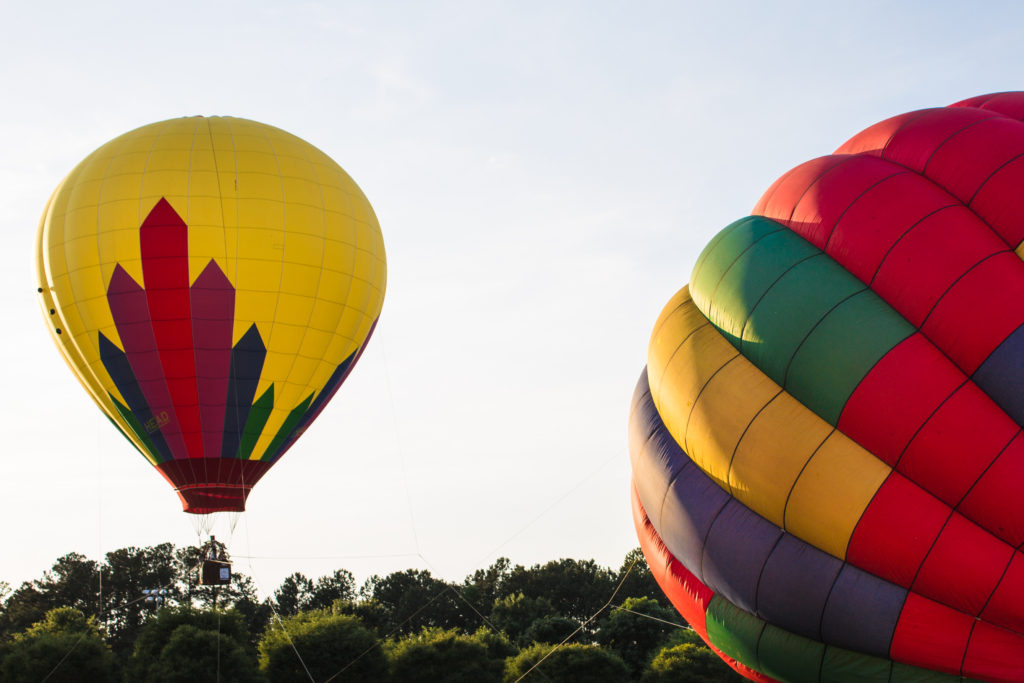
<point x="545" y="175"/>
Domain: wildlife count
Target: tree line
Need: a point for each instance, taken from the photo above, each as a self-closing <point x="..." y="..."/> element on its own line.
<point x="566" y="620"/>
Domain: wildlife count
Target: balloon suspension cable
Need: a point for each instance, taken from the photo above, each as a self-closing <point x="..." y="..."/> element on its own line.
<point x="583" y="624"/>
<point x="396" y="629"/>
<point x="620" y="608"/>
<point x="273" y="608"/>
<point x="201" y="525"/>
<point x="207" y="523"/>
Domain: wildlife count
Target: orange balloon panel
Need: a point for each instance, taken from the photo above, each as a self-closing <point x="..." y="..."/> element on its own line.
<point x="211" y="282"/>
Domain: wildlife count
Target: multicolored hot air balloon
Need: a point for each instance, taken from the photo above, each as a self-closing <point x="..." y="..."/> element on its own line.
<point x="827" y="454"/>
<point x="211" y="282"/>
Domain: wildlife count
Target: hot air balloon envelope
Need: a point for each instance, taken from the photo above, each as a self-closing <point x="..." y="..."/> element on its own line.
<point x="826" y="445"/>
<point x="211" y="282"/>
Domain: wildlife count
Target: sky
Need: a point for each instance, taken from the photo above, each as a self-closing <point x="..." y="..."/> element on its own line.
<point x="545" y="175"/>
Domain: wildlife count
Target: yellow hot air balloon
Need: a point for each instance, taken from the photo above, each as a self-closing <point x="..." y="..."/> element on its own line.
<point x="211" y="281"/>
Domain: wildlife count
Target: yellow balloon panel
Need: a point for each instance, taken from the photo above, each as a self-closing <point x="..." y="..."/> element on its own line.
<point x="753" y="483"/>
<point x="683" y="330"/>
<point x="722" y="411"/>
<point x="754" y="439"/>
<point x="832" y="493"/>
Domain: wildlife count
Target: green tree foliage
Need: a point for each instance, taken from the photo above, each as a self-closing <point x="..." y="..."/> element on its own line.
<point x="112" y="590"/>
<point x="484" y="586"/>
<point x="327" y="590"/>
<point x="637" y="579"/>
<point x="195" y="655"/>
<point x="572" y="663"/>
<point x="5" y="592"/>
<point x="415" y="600"/>
<point x="63" y="620"/>
<point x="553" y="629"/>
<point x="64" y="647"/>
<point x="683" y="636"/>
<point x="126" y="573"/>
<point x="514" y="614"/>
<point x="22" y="608"/>
<point x="73" y="581"/>
<point x="576" y="588"/>
<point x="256" y="613"/>
<point x="497" y="644"/>
<point x="689" y="663"/>
<point x="291" y="596"/>
<point x="299" y="594"/>
<point x="635" y="637"/>
<point x="368" y="611"/>
<point x="239" y="595"/>
<point x="220" y="638"/>
<point x="443" y="656"/>
<point x="337" y="630"/>
<point x="328" y="646"/>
